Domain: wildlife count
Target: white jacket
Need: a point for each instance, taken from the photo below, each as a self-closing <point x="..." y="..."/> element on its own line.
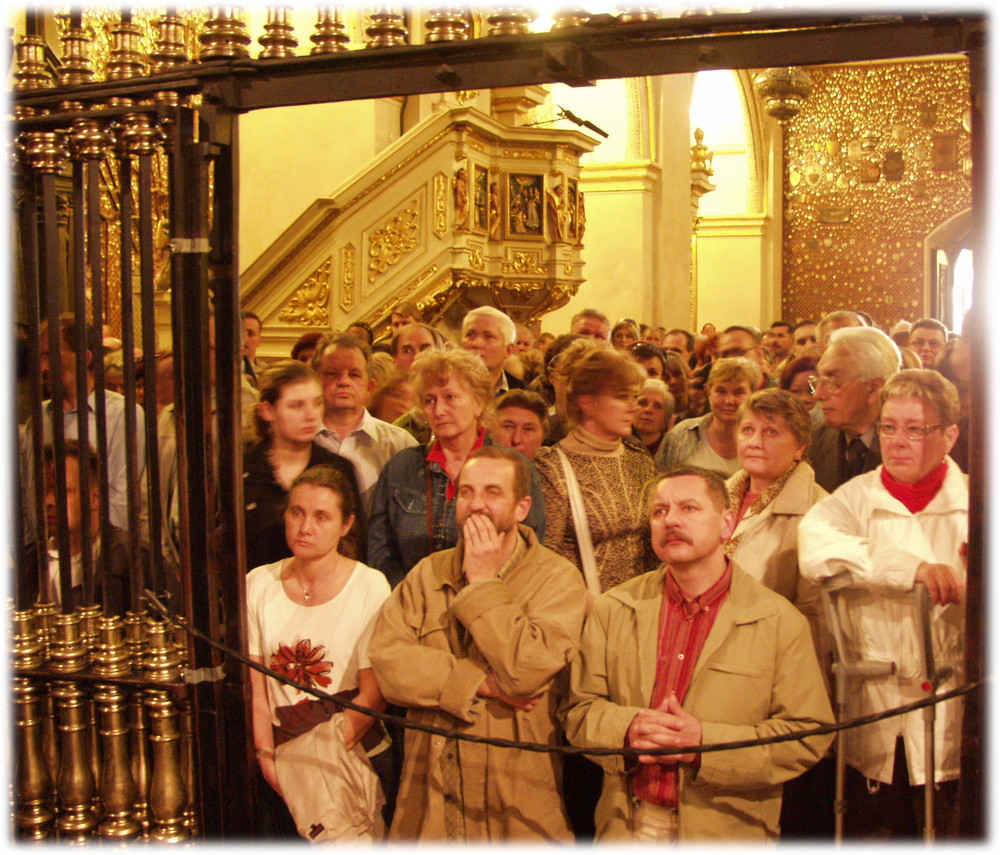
<point x="862" y="530"/>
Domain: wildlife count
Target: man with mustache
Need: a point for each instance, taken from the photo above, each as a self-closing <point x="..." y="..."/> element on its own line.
<point x="477" y="639"/>
<point x="694" y="653"/>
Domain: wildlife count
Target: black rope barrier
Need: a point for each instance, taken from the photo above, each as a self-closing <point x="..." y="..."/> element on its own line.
<point x="498" y="742"/>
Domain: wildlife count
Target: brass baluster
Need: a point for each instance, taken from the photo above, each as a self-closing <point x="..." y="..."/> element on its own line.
<point x="139" y="756"/>
<point x="67" y="653"/>
<point x="110" y="653"/>
<point x="564" y="19"/>
<point x="27" y="646"/>
<point x="167" y="796"/>
<point x="118" y="791"/>
<point x="126" y="59"/>
<point x="225" y="34"/>
<point x="32" y="69"/>
<point x="446" y="24"/>
<point x="76" y="821"/>
<point x="162" y="662"/>
<point x="44" y="612"/>
<point x="387" y="29"/>
<point x="135" y="638"/>
<point x="75" y="68"/>
<point x="278" y="40"/>
<point x="33" y="784"/>
<point x="510" y="21"/>
<point x="188" y="763"/>
<point x="636" y="14"/>
<point x="89" y="616"/>
<point x="330" y="34"/>
<point x="169" y="51"/>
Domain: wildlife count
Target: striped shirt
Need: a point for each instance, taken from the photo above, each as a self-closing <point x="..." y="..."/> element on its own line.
<point x="684" y="626"/>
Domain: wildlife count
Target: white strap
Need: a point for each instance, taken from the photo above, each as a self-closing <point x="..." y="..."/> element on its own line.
<point x="583" y="540"/>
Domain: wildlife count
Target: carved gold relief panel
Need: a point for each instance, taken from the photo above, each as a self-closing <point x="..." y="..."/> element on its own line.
<point x="348" y="267"/>
<point x="394" y="240"/>
<point x="440" y="205"/>
<point x="309" y="304"/>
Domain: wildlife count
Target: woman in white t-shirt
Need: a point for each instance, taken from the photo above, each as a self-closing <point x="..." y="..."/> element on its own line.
<point x="310" y="617"/>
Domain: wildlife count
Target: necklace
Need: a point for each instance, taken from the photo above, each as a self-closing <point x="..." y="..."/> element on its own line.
<point x="306" y="592"/>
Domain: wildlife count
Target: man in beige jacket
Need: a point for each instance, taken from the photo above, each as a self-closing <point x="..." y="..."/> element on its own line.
<point x="695" y="653"/>
<point x="478" y="639"/>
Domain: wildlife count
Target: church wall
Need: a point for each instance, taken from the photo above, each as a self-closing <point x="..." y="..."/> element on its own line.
<point x="637" y="246"/>
<point x="876" y="160"/>
<point x="291" y="156"/>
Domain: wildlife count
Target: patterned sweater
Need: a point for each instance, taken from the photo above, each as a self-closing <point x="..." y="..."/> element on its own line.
<point x="612" y="478"/>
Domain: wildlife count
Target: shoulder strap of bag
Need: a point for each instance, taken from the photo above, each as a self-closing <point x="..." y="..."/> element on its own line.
<point x="581" y="525"/>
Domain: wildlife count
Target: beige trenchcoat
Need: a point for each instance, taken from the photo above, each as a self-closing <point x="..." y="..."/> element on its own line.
<point x="757" y="676"/>
<point x="433" y="645"/>
<point x="768" y="549"/>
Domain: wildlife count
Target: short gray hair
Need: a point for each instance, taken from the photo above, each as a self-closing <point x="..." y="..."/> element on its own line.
<point x="507" y="327"/>
<point x="655" y="384"/>
<point x="874" y="354"/>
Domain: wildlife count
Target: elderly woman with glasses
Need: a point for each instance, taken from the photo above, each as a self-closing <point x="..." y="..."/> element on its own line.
<point x="881" y="535"/>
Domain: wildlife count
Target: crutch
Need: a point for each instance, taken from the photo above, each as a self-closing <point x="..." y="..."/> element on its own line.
<point x="843" y="670"/>
<point x="933" y="680"/>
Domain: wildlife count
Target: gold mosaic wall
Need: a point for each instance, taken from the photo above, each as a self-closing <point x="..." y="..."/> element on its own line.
<point x="877" y="159"/>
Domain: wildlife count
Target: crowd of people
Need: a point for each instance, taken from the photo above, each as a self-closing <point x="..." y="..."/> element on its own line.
<point x="612" y="538"/>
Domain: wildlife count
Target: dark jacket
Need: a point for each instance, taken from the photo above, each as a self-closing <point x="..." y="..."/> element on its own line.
<point x="264" y="505"/>
<point x="826" y="454"/>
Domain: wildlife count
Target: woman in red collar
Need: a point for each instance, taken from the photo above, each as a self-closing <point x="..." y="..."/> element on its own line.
<point x="413" y="510"/>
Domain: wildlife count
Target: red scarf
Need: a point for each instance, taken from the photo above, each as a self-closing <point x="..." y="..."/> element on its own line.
<point x="917" y="496"/>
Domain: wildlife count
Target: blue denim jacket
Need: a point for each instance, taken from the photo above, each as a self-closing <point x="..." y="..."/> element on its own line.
<point x="397" y="527"/>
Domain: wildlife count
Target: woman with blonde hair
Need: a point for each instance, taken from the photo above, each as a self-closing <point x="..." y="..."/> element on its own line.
<point x="611" y="474"/>
<point x="709" y="441"/>
<point x="413" y="510"/>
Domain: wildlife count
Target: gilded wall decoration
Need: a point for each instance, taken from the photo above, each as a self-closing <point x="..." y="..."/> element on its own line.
<point x="394" y="240"/>
<point x="407" y="291"/>
<point x="521" y="262"/>
<point x="440" y="205"/>
<point x="348" y="268"/>
<point x="525" y="153"/>
<point x="477" y="260"/>
<point x="309" y="305"/>
<point x="873" y="164"/>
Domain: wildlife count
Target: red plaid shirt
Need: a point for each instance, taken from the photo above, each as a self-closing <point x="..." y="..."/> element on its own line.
<point x="684" y="626"/>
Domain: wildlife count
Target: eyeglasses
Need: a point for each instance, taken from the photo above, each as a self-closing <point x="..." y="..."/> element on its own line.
<point x="832" y="383"/>
<point x="914" y="433"/>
